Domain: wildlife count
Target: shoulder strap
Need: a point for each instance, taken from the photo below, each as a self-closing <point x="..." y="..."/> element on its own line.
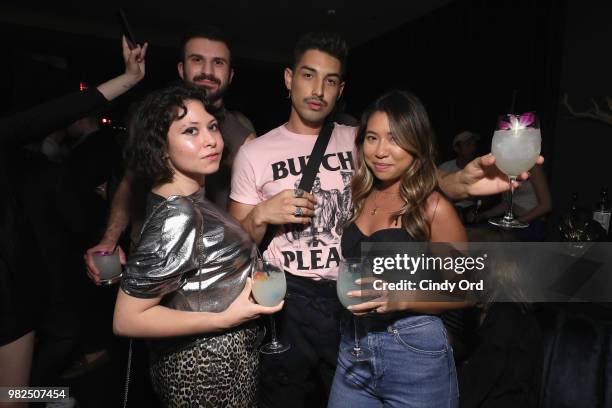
<point x="308" y="175"/>
<point x="312" y="167"/>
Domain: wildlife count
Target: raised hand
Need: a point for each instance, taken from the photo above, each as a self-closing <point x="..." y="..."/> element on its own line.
<point x="480" y="177"/>
<point x="134" y="59"/>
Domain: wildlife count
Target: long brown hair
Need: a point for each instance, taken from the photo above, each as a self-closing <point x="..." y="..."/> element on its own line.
<point x="412" y="131"/>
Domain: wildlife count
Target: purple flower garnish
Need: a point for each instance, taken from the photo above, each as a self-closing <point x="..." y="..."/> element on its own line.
<point x="526" y="119"/>
<point x="517" y="122"/>
<point x="503" y="125"/>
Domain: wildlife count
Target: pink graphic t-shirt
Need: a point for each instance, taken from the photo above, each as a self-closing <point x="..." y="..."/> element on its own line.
<point x="275" y="162"/>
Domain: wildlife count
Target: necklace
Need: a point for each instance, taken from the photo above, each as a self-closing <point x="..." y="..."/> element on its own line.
<point x="376" y="206"/>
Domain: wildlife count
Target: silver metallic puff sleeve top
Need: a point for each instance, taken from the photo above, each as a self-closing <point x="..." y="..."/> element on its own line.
<point x="191" y="254"/>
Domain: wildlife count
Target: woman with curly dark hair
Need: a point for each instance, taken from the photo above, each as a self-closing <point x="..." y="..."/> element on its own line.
<point x="395" y="200"/>
<point x="186" y="286"/>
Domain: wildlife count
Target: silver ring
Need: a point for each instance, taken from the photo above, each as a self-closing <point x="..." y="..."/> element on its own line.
<point x="298" y="211"/>
<point x="298" y="192"/>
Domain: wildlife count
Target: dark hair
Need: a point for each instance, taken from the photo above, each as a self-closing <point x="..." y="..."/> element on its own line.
<point x="329" y="43"/>
<point x="209" y="32"/>
<point x="412" y="131"/>
<point x="146" y="149"/>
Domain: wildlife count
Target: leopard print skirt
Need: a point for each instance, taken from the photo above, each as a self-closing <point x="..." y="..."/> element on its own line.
<point x="222" y="371"/>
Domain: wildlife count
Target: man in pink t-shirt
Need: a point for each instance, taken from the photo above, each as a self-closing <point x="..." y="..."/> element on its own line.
<point x="274" y="162"/>
<point x="264" y="177"/>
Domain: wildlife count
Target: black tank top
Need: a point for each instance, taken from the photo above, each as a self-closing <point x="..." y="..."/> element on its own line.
<point x="352" y="237"/>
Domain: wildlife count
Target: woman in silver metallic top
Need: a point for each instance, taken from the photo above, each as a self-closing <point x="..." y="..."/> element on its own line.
<point x="186" y="286"/>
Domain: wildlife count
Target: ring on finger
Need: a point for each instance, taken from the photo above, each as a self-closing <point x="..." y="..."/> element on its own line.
<point x="298" y="212"/>
<point x="298" y="192"/>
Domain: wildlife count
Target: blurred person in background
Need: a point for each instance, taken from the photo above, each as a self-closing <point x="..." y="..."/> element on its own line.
<point x="22" y="268"/>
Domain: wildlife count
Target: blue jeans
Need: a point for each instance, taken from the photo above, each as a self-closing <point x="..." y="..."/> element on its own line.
<point x="411" y="366"/>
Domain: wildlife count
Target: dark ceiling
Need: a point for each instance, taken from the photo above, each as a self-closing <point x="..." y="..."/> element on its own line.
<point x="262" y="30"/>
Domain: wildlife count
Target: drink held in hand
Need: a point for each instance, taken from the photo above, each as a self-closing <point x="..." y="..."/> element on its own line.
<point x="516" y="151"/>
<point x="516" y="146"/>
<point x="269" y="288"/>
<point x="349" y="273"/>
<point x="109" y="265"/>
<point x="351" y="270"/>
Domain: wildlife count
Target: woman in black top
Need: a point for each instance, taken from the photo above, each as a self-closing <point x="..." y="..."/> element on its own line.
<point x="395" y="200"/>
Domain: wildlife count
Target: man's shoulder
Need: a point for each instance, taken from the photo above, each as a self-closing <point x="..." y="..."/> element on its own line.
<point x="239" y="118"/>
<point x="344" y="136"/>
<point x="262" y="142"/>
<point x="273" y="133"/>
<point x="344" y="131"/>
<point x="341" y="132"/>
<point x="233" y="129"/>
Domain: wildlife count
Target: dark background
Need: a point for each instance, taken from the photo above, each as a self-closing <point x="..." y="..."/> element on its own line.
<point x="465" y="59"/>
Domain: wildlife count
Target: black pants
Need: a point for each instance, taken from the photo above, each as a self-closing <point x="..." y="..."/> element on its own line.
<point x="309" y="321"/>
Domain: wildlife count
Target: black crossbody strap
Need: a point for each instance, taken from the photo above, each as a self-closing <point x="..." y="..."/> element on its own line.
<point x="308" y="175"/>
<point x="314" y="162"/>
